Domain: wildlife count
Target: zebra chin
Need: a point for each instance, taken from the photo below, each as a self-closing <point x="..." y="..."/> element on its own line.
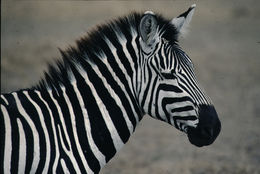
<point x="208" y="128"/>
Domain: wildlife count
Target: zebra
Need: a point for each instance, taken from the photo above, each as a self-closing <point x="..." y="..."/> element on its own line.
<point x="89" y="103"/>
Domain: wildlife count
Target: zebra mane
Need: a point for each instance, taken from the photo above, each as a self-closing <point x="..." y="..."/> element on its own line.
<point x="94" y="42"/>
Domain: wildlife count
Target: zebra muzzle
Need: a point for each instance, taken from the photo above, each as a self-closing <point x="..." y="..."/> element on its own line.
<point x="208" y="128"/>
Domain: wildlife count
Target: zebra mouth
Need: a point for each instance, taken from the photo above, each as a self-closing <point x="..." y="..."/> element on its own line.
<point x="200" y="136"/>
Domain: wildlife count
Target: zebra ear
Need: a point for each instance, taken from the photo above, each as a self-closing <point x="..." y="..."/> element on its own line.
<point x="148" y="29"/>
<point x="182" y="22"/>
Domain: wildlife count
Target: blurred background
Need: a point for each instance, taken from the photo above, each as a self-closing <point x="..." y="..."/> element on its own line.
<point x="223" y="42"/>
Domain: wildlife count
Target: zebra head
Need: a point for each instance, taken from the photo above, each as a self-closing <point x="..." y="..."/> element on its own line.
<point x="168" y="88"/>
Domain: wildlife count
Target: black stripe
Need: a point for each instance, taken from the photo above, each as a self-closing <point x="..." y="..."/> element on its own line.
<point x="48" y="124"/>
<point x="68" y="126"/>
<point x="187" y="89"/>
<point x="79" y="119"/>
<point x="127" y="33"/>
<point x="172" y="100"/>
<point x="32" y="113"/>
<point x="144" y="97"/>
<point x="190" y="89"/>
<point x="175" y="123"/>
<point x="59" y="169"/>
<point x="114" y="111"/>
<point x="14" y="114"/>
<point x="121" y="76"/>
<point x="181" y="126"/>
<point x="182" y="109"/>
<point x="158" y="105"/>
<point x="169" y="88"/>
<point x="192" y="118"/>
<point x="53" y="108"/>
<point x="169" y="76"/>
<point x="130" y="113"/>
<point x="99" y="130"/>
<point x="2" y="101"/>
<point x="151" y="96"/>
<point x="167" y="114"/>
<point x="29" y="144"/>
<point x="190" y="83"/>
<point x="68" y="164"/>
<point x="161" y="58"/>
<point x="120" y="53"/>
<point x="157" y="64"/>
<point x="81" y="132"/>
<point x="166" y="56"/>
<point x="56" y="96"/>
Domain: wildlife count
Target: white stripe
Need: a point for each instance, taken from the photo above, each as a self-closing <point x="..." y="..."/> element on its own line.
<point x="187" y="87"/>
<point x="119" y="82"/>
<point x="162" y="52"/>
<point x="145" y="75"/>
<point x="162" y="95"/>
<point x="194" y="86"/>
<point x="118" y="61"/>
<point x="190" y="123"/>
<point x="133" y="43"/>
<point x="46" y="135"/>
<point x="64" y="167"/>
<point x="182" y="104"/>
<point x="68" y="152"/>
<point x="8" y="141"/>
<point x="109" y="123"/>
<point x="99" y="156"/>
<point x="184" y="113"/>
<point x="199" y="94"/>
<point x="22" y="148"/>
<point x="122" y="40"/>
<point x="71" y="111"/>
<point x="36" y="144"/>
<point x="57" y="152"/>
<point x="115" y="96"/>
<point x="61" y="118"/>
<point x="6" y="102"/>
<point x="153" y="108"/>
<point x="148" y="97"/>
<point x="127" y="54"/>
<point x="103" y="58"/>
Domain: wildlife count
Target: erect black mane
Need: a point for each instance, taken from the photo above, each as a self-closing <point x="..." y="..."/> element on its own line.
<point x="87" y="47"/>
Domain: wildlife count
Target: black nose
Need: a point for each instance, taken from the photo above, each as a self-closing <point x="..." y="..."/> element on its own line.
<point x="208" y="128"/>
<point x="206" y="131"/>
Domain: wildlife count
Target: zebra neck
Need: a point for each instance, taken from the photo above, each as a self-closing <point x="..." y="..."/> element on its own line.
<point x="86" y="121"/>
<point x="102" y="116"/>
